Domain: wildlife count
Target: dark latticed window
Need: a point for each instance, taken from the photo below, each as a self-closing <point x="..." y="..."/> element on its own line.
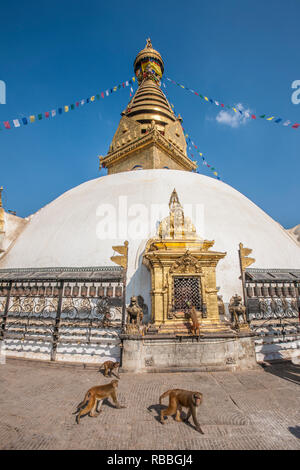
<point x="187" y="292"/>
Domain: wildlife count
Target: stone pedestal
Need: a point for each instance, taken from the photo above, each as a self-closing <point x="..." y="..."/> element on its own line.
<point x="162" y="352"/>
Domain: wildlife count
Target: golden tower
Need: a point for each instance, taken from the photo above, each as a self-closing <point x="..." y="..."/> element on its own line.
<point x="149" y="134"/>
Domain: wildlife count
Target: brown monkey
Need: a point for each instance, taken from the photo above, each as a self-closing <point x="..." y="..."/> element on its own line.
<point x="179" y="398"/>
<point x="109" y="366"/>
<point x="93" y="396"/>
<point x="195" y="327"/>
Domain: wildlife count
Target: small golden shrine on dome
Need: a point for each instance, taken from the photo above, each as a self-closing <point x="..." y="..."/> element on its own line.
<point x="183" y="274"/>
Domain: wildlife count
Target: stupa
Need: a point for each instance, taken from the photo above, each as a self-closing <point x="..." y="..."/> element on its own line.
<point x="189" y="236"/>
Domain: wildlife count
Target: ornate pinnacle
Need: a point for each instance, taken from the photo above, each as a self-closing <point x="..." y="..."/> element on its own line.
<point x="1" y="189"/>
<point x="149" y="44"/>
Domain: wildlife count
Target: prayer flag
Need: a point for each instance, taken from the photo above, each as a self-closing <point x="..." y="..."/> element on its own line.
<point x="60" y="110"/>
<point x="92" y="98"/>
<point x="16" y="122"/>
<point x="24" y="120"/>
<point x="278" y="120"/>
<point x="295" y="126"/>
<point x="262" y="116"/>
<point x="32" y="118"/>
<point x="102" y="94"/>
<point x="6" y="125"/>
<point x="66" y="109"/>
<point x="47" y="114"/>
<point x="270" y="118"/>
<point x="53" y="113"/>
<point x="253" y="116"/>
<point x="40" y="116"/>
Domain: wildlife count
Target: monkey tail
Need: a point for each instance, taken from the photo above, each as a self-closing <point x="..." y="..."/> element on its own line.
<point x="83" y="403"/>
<point x="164" y="395"/>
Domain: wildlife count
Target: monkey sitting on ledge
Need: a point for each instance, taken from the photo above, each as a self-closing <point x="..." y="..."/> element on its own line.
<point x="179" y="398"/>
<point x="195" y="327"/>
<point x="95" y="395"/>
<point x="109" y="366"/>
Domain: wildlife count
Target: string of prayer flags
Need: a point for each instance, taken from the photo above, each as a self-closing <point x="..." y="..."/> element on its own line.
<point x="190" y="142"/>
<point x="244" y="113"/>
<point x="24" y="121"/>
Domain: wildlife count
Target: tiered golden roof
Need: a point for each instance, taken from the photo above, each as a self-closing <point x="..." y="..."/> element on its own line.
<point x="149" y="103"/>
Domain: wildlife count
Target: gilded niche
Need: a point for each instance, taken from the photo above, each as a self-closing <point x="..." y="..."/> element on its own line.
<point x="183" y="273"/>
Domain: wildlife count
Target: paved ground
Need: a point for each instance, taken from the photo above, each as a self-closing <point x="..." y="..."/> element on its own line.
<point x="244" y="410"/>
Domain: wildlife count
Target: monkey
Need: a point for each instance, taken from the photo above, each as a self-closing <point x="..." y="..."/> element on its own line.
<point x="179" y="398"/>
<point x="93" y="396"/>
<point x="109" y="366"/>
<point x="195" y="327"/>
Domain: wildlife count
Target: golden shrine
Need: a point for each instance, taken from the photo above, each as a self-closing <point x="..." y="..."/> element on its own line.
<point x="183" y="274"/>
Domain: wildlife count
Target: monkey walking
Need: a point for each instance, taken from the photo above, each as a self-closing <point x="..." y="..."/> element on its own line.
<point x="95" y="395"/>
<point x="108" y="367"/>
<point x="179" y="398"/>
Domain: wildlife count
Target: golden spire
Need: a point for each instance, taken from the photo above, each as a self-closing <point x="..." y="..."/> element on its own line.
<point x="1" y="189"/>
<point x="149" y="103"/>
<point x="149" y="135"/>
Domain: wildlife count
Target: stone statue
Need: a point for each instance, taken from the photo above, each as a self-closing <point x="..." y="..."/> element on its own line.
<point x="134" y="312"/>
<point x="237" y="311"/>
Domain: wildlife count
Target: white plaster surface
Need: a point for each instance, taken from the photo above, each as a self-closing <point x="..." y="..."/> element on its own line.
<point x="64" y="233"/>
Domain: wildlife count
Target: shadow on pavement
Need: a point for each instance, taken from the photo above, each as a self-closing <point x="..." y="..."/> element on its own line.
<point x="285" y="370"/>
<point x="295" y="431"/>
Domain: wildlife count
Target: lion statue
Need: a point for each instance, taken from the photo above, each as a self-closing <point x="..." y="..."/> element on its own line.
<point x="237" y="311"/>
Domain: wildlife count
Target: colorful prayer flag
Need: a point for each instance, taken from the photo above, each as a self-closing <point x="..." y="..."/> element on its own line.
<point x="16" y="122"/>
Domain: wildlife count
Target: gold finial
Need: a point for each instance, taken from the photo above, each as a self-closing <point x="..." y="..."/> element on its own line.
<point x="148" y="43"/>
<point x="1" y="189"/>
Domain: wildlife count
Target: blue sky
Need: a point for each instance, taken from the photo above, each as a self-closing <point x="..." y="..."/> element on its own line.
<point x="236" y="52"/>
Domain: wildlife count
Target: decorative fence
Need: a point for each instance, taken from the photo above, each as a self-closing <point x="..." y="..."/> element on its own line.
<point x="273" y="306"/>
<point x="63" y="313"/>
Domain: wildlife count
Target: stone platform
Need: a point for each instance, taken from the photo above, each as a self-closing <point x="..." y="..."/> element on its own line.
<point x="215" y="351"/>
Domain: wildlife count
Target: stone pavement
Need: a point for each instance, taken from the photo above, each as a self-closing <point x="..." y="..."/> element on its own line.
<point x="241" y="410"/>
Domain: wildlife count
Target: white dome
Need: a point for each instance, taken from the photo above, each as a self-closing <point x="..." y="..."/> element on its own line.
<point x="65" y="233"/>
